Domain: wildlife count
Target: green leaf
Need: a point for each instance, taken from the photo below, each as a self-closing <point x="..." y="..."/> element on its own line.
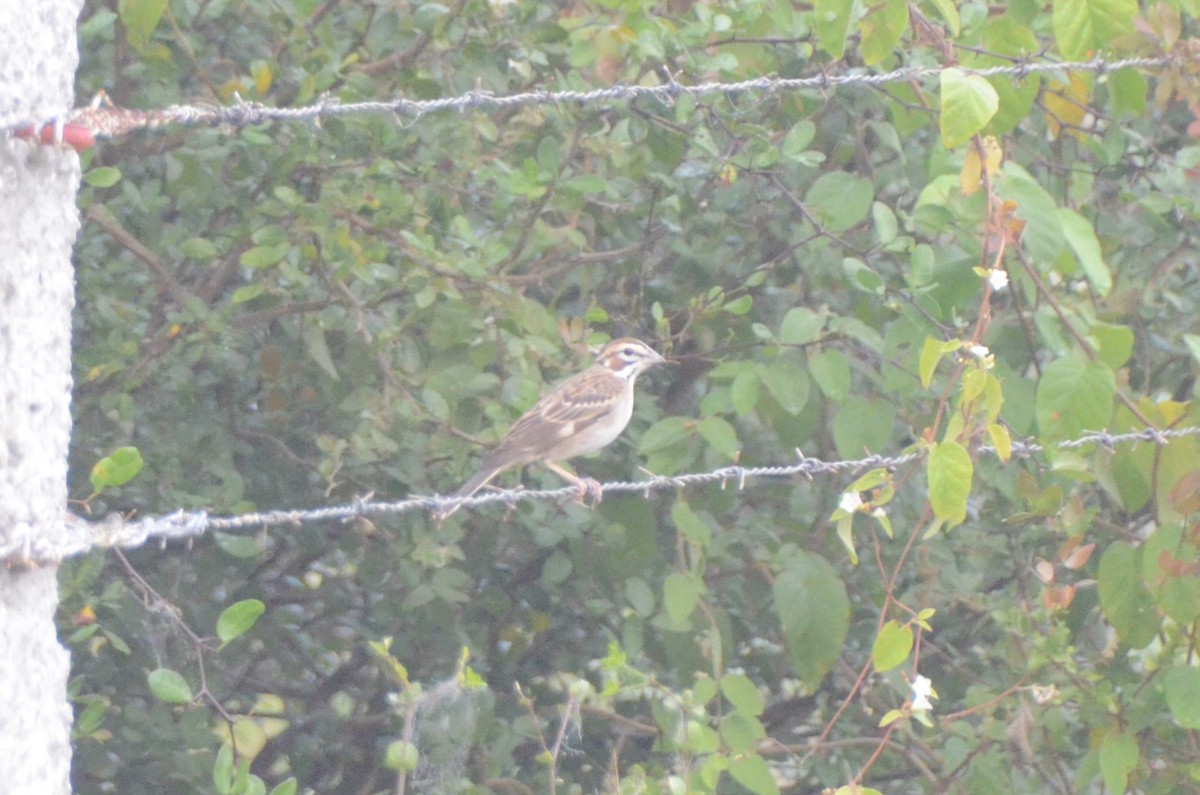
<point x="1006" y="35"/>
<point x="949" y="13"/>
<point x="801" y="326"/>
<point x="639" y="596"/>
<point x="1178" y="476"/>
<point x="318" y="349"/>
<point x="932" y="352"/>
<point x="862" y="276"/>
<point x="884" y="220"/>
<point x="1164" y="554"/>
<point x="287" y="787"/>
<point x="741" y="732"/>
<point x="831" y="370"/>
<point x="91" y="716"/>
<point x="117" y="641"/>
<point x="705" y="689"/>
<point x="1083" y="27"/>
<point x="199" y="248"/>
<point x="753" y="773"/>
<point x="140" y="18"/>
<point x="870" y="479"/>
<point x="247" y="292"/>
<point x="260" y="257"/>
<point x="1116" y="343"/>
<point x="968" y="104"/>
<point x="223" y="770"/>
<point x="892" y="646"/>
<point x="1001" y="440"/>
<point x="1124" y="599"/>
<point x="586" y="183"/>
<point x="1016" y="102"/>
<point x="681" y="594"/>
<point x="102" y="177"/>
<point x="742" y="693"/>
<point x="739" y="306"/>
<point x="1118" y="757"/>
<point x="1126" y="478"/>
<point x="1043" y="236"/>
<point x="1074" y="396"/>
<point x="664" y="433"/>
<point x="238" y="546"/>
<point x="845" y="534"/>
<point x="401" y="755"/>
<point x="117" y="469"/>
<point x="814" y="611"/>
<point x="949" y="472"/>
<point x="862" y="425"/>
<point x="1081" y="237"/>
<point x="1128" y="89"/>
<point x="788" y="384"/>
<point x="689" y="524"/>
<point x="832" y="20"/>
<point x="744" y="391"/>
<point x="796" y="142"/>
<point x="701" y="739"/>
<point x="169" y="687"/>
<point x="720" y="435"/>
<point x="839" y="200"/>
<point x="881" y="27"/>
<point x="1181" y="686"/>
<point x="236" y="619"/>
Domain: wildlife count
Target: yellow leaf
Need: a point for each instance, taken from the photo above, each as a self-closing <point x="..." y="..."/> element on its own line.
<point x="263" y="76"/>
<point x="970" y="179"/>
<point x="1066" y="106"/>
<point x="1001" y="441"/>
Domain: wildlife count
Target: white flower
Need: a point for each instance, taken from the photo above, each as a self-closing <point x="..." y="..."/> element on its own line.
<point x="981" y="354"/>
<point x="922" y="690"/>
<point x="851" y="501"/>
<point x="1044" y="694"/>
<point x="998" y="278"/>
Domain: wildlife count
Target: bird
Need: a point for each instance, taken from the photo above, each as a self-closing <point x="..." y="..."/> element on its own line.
<point x="581" y="415"/>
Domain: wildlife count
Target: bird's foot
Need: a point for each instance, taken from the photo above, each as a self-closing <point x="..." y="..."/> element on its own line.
<point x="590" y="493"/>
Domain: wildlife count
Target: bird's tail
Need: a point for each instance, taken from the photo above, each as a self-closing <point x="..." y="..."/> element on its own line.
<point x="477" y="482"/>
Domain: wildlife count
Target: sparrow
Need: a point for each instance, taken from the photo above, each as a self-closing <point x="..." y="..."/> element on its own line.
<point x="581" y="415"/>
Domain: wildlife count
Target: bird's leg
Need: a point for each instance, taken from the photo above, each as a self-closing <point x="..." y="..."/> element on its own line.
<point x="588" y="487"/>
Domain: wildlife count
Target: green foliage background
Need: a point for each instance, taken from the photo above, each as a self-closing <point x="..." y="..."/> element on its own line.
<point x="293" y="316"/>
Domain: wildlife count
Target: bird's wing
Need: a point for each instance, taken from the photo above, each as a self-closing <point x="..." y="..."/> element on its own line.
<point x="575" y="404"/>
<point x="584" y="398"/>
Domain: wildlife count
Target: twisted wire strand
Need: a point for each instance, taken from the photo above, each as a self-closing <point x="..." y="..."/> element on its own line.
<point x="26" y="547"/>
<point x="107" y="121"/>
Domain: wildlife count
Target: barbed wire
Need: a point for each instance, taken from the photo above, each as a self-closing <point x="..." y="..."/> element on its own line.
<point x="107" y="121"/>
<point x="26" y="547"/>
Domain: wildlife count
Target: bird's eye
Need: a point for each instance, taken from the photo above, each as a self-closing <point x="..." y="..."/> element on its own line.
<point x="628" y="351"/>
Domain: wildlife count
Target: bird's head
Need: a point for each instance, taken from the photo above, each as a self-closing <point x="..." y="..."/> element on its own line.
<point x="628" y="357"/>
